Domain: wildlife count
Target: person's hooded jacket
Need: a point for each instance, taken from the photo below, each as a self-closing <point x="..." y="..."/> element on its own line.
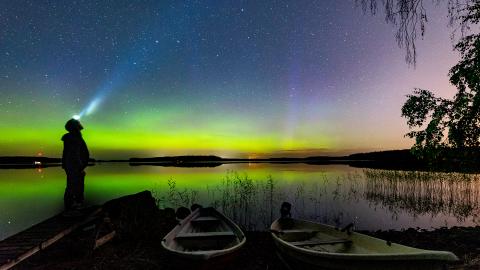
<point x="75" y="152"/>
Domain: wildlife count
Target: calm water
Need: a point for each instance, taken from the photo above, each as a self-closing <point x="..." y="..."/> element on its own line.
<point x="252" y="193"/>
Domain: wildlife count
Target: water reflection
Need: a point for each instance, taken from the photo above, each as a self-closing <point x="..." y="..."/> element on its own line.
<point x="361" y="196"/>
<point x="252" y="195"/>
<point x="422" y="193"/>
<point x="338" y="200"/>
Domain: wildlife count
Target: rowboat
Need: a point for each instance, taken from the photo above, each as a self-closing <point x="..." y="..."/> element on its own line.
<point x="203" y="235"/>
<point x="308" y="245"/>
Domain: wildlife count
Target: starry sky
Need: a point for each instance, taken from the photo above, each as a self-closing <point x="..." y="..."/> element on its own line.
<point x="233" y="78"/>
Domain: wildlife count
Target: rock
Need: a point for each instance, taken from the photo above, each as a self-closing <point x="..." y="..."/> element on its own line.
<point x="133" y="216"/>
<point x="195" y="206"/>
<point x="182" y="212"/>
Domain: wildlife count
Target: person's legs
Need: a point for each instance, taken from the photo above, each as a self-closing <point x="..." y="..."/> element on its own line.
<point x="79" y="197"/>
<point x="68" y="197"/>
<point x="75" y="188"/>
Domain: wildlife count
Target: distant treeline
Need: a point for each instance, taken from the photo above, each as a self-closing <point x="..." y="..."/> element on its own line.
<point x="447" y="160"/>
<point x="391" y="159"/>
<point x="28" y="160"/>
<point x="19" y="162"/>
<point x="395" y="159"/>
<point x="465" y="159"/>
<point x="31" y="162"/>
<point x="391" y="155"/>
<point x="179" y="161"/>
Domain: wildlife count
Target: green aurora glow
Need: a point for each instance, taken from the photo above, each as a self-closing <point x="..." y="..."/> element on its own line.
<point x="226" y="79"/>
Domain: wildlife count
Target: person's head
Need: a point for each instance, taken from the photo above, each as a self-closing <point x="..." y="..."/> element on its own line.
<point x="73" y="125"/>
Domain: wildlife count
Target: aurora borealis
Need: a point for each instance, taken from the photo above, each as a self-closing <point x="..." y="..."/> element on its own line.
<point x="229" y="78"/>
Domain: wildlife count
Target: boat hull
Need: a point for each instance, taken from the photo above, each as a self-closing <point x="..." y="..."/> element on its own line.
<point x="298" y="260"/>
<point x="308" y="245"/>
<point x="219" y="262"/>
<point x="205" y="236"/>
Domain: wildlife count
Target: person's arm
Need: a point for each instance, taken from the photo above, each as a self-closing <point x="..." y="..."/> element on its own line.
<point x="85" y="155"/>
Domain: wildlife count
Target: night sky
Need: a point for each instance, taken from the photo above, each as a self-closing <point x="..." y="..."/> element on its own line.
<point x="230" y="78"/>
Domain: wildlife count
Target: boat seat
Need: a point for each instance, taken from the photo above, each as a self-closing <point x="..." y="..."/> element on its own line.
<point x="205" y="235"/>
<point x="299" y="231"/>
<point x="320" y="242"/>
<point x="202" y="220"/>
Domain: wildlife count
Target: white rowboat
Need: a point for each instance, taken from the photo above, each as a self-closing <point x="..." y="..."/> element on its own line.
<point x="309" y="245"/>
<point x="204" y="234"/>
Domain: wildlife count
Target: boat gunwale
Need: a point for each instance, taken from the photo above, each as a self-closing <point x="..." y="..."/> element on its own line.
<point x="420" y="254"/>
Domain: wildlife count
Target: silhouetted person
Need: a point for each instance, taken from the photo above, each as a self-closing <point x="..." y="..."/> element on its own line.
<point x="74" y="161"/>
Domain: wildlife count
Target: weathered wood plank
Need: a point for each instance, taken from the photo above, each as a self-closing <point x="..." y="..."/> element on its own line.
<point x="104" y="239"/>
<point x="28" y="242"/>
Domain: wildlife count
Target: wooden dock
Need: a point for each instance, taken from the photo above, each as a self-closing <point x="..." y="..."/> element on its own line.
<point x="22" y="245"/>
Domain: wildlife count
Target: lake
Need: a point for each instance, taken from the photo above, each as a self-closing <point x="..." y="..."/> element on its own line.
<point x="251" y="193"/>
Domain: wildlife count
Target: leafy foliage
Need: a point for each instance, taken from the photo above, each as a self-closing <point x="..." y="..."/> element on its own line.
<point x="443" y="125"/>
<point x="440" y="124"/>
<point x="449" y="123"/>
<point x="419" y="108"/>
<point x="410" y="18"/>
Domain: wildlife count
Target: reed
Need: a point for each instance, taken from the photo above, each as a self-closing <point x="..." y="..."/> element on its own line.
<point x="254" y="203"/>
<point x="421" y="193"/>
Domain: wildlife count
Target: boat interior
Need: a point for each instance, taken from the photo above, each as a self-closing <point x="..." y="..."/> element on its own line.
<point x="318" y="237"/>
<point x="205" y="231"/>
<point x="322" y="238"/>
<point x="316" y="240"/>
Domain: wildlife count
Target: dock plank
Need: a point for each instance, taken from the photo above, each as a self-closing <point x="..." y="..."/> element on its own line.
<point x="24" y="244"/>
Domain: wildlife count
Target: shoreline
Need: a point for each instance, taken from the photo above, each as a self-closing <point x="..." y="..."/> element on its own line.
<point x="140" y="226"/>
